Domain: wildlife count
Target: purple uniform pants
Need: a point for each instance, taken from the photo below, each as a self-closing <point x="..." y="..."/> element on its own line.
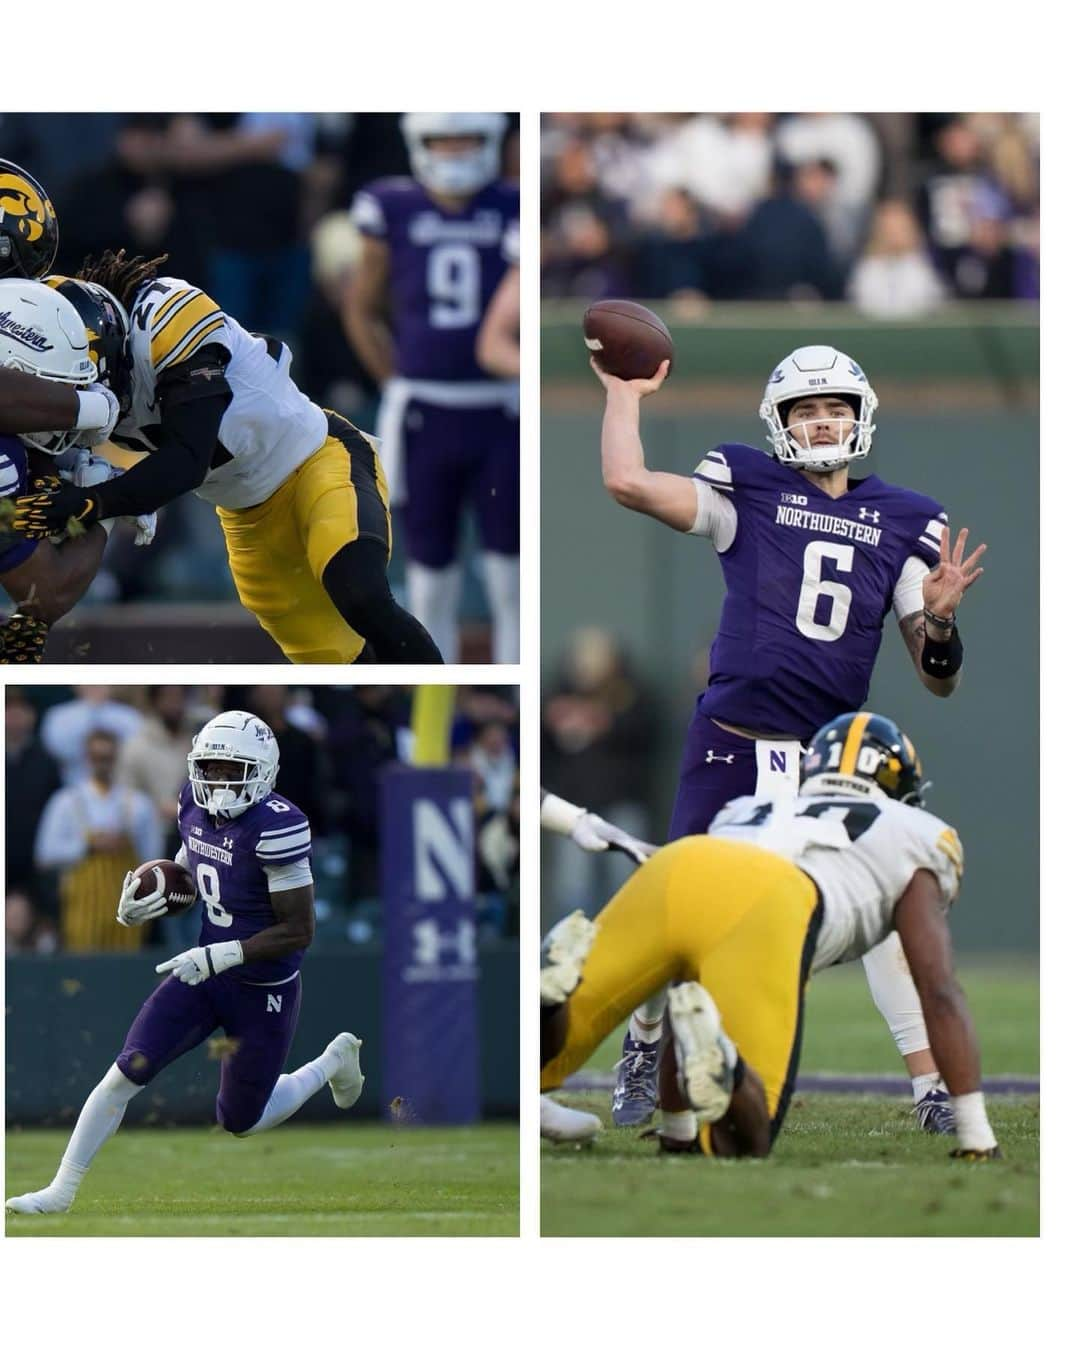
<point x="258" y="1020"/>
<point x="718" y="766"/>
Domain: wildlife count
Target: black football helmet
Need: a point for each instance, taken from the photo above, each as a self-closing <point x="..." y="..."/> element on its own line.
<point x="861" y="750"/>
<point x="29" y="234"/>
<point x="108" y="332"/>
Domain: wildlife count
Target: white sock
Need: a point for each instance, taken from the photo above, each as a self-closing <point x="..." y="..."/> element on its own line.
<point x="895" y="995"/>
<point x="678" y="1125"/>
<point x="502" y="582"/>
<point x="922" y="1084"/>
<point x="101" y="1114"/>
<point x="434" y="598"/>
<point x="647" y="1021"/>
<point x="292" y="1092"/>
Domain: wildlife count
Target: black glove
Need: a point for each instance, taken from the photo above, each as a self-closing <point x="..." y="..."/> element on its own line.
<point x="46" y="512"/>
<point x="22" y="639"/>
<point x="976" y="1156"/>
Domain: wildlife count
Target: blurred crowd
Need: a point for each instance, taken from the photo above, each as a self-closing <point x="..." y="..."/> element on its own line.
<point x="93" y="775"/>
<point x="896" y="212"/>
<point x="253" y="208"/>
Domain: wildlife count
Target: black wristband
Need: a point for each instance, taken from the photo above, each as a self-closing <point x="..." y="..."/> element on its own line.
<point x="942" y="658"/>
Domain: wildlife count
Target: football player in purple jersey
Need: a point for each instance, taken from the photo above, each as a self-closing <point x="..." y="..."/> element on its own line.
<point x="248" y="850"/>
<point x="812" y="564"/>
<point x="436" y="246"/>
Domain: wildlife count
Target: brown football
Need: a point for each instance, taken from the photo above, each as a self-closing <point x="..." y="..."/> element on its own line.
<point x="171" y="878"/>
<point x="627" y="339"/>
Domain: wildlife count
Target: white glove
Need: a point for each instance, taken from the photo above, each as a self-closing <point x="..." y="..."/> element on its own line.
<point x="96" y="419"/>
<point x="196" y="965"/>
<point x="145" y="526"/>
<point x="593" y="833"/>
<point x="136" y="910"/>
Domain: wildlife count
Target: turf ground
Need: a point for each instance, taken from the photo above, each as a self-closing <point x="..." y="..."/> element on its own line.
<point x="335" y="1179"/>
<point x="845" y="1164"/>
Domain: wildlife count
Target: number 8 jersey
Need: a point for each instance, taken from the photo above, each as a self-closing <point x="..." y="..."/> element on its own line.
<point x="236" y="864"/>
<point x="810" y="581"/>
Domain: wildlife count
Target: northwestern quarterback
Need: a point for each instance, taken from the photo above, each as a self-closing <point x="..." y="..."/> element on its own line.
<point x="812" y="564"/>
<point x="435" y="248"/>
<point x="248" y="850"/>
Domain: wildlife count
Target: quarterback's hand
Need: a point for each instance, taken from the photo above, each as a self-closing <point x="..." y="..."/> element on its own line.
<point x="638" y="387"/>
<point x="135" y="910"/>
<point x="945" y="585"/>
<point x="976" y="1156"/>
<point x="87" y="439"/>
<point x="593" y="833"/>
<point x="45" y="512"/>
<point x="196" y="965"/>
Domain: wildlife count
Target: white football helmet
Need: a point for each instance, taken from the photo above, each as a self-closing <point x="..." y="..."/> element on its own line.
<point x="459" y="174"/>
<point x="818" y="371"/>
<point x="233" y="736"/>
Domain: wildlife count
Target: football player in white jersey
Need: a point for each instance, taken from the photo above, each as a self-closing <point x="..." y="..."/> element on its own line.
<point x="792" y="885"/>
<point x="299" y="491"/>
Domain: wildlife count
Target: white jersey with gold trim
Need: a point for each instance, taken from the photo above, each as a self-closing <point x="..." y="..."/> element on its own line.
<point x="269" y="428"/>
<point x="861" y="852"/>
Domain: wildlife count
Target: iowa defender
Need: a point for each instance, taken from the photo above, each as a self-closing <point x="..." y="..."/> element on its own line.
<point x="739" y="918"/>
<point x="299" y="491"/>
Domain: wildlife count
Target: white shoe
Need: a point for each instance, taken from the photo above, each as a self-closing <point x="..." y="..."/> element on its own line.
<point x="346" y="1081"/>
<point x="705" y="1054"/>
<point x="563" y="955"/>
<point x="559" y="1123"/>
<point x="45" y="1202"/>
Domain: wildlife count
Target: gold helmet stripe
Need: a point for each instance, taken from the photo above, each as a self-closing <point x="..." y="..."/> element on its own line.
<point x="852" y="743"/>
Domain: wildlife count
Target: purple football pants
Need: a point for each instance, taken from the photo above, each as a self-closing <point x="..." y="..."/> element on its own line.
<point x="718" y="766"/>
<point x="259" y="1023"/>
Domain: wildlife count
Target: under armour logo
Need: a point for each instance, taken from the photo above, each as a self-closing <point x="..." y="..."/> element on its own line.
<point x="869" y="514"/>
<point x="273" y="1004"/>
<point x="711" y="756"/>
<point x="228" y="842"/>
<point x="938" y="663"/>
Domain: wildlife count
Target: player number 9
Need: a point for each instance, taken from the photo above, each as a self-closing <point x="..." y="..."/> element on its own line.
<point x="453" y="282"/>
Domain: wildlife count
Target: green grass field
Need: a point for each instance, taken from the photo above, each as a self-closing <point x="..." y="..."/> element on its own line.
<point x="844" y="1165"/>
<point x="336" y="1179"/>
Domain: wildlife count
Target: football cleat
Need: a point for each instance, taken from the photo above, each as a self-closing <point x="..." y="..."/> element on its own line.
<point x="563" y="955"/>
<point x="561" y="1123"/>
<point x="633" y="1101"/>
<point x="346" y="1081"/>
<point x="935" y="1114"/>
<point x="45" y="1202"/>
<point x="706" y="1056"/>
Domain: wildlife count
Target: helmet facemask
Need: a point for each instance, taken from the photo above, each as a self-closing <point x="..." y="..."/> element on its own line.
<point x="250" y="749"/>
<point x="464" y="172"/>
<point x="826" y="374"/>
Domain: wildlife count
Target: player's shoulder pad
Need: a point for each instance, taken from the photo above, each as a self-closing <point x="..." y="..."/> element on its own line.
<point x="283" y="831"/>
<point x="730" y="465"/>
<point x="377" y="203"/>
<point x="12" y="465"/>
<point x="170" y="320"/>
<point x="920" y="516"/>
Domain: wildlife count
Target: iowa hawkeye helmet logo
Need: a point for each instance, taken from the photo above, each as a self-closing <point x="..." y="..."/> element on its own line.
<point x="28" y="228"/>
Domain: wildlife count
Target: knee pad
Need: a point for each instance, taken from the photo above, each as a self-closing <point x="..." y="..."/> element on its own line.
<point x="133" y="1067"/>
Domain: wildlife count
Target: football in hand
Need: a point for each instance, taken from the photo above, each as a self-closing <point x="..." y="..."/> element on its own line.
<point x="166" y="876"/>
<point x="627" y="339"/>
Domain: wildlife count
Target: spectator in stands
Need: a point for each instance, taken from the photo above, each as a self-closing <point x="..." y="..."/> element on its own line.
<point x="491" y="756"/>
<point x="65" y="728"/>
<point x="895" y="278"/>
<point x="786" y="249"/>
<point x="92" y="833"/>
<point x="153" y="760"/>
<point x="303" y="775"/>
<point x="722" y="161"/>
<point x="32" y="779"/>
<point x="848" y="142"/>
<point x="672" y="259"/>
<point x="581" y="229"/>
<point x="27" y="928"/>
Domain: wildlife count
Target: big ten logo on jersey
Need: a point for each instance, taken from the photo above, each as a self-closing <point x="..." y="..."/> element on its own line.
<point x="444" y="935"/>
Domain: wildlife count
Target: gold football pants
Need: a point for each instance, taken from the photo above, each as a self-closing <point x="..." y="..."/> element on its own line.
<point x="738" y="919"/>
<point x="278" y="550"/>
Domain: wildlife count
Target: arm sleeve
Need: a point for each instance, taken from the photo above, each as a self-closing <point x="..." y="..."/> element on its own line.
<point x="558" y="815"/>
<point x="280" y="878"/>
<point x="907" y="596"/>
<point x="717" y="518"/>
<point x="181" y="858"/>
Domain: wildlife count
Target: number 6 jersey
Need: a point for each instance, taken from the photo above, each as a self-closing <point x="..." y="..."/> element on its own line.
<point x="233" y="864"/>
<point x="810" y="581"/>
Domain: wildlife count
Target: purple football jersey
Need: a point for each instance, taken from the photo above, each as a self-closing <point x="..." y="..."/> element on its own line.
<point x="14" y="549"/>
<point x="810" y="582"/>
<point x="444" y="267"/>
<point x="226" y="859"/>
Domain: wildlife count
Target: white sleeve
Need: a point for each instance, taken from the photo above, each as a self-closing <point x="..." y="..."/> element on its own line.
<point x="366" y="214"/>
<point x="281" y="878"/>
<point x="181" y="858"/>
<point x="716" y="517"/>
<point x="907" y="596"/>
<point x="558" y="815"/>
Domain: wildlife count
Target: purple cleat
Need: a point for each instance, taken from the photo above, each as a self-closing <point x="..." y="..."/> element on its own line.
<point x="634" y="1099"/>
<point x="935" y="1114"/>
